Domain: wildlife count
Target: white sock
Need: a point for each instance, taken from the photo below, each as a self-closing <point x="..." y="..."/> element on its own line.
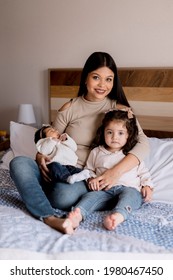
<point x="83" y="175"/>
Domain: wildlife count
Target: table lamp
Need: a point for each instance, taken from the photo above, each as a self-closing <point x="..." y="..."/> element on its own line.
<point x="26" y="114"/>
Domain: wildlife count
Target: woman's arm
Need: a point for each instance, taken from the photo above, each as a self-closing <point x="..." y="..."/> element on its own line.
<point x="111" y="176"/>
<point x="41" y="159"/>
<point x="61" y="120"/>
<point x="141" y="149"/>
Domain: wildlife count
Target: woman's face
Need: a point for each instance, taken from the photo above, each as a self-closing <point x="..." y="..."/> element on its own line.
<point x="99" y="84"/>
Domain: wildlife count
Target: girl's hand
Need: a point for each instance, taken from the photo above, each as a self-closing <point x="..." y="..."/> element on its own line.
<point x="41" y="161"/>
<point x="93" y="184"/>
<point x="147" y="193"/>
<point x="108" y="179"/>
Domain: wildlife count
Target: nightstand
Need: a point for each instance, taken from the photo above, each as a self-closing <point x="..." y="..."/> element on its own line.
<point x="5" y="144"/>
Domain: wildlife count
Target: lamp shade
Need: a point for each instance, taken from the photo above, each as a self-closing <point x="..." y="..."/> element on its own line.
<point x="26" y="114"/>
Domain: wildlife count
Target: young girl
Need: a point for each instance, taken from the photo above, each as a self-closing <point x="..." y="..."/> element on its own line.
<point x="61" y="149"/>
<point x="117" y="135"/>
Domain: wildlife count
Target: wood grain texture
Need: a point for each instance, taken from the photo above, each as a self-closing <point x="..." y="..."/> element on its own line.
<point x="146" y="77"/>
<point x="132" y="93"/>
<point x="130" y="77"/>
<point x="140" y="84"/>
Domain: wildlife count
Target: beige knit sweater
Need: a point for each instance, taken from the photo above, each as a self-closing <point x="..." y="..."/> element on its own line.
<point x="81" y="121"/>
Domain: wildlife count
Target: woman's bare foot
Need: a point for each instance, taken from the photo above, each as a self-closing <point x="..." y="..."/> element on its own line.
<point x="113" y="220"/>
<point x="62" y="225"/>
<point x="75" y="217"/>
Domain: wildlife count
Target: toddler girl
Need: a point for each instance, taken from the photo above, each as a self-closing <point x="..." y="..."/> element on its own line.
<point x="117" y="135"/>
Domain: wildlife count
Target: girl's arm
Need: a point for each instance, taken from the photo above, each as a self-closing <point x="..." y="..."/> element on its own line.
<point x="146" y="182"/>
<point x="93" y="182"/>
<point x="90" y="164"/>
<point x="147" y="193"/>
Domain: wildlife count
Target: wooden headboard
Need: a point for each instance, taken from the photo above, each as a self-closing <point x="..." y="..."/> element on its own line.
<point x="148" y="90"/>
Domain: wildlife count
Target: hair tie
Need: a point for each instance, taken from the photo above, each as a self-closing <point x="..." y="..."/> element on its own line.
<point x="130" y="113"/>
<point x="128" y="110"/>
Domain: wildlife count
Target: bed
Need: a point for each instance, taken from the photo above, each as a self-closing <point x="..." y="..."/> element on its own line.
<point x="149" y="231"/>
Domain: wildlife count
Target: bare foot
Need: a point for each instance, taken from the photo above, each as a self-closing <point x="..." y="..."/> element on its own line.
<point x="113" y="220"/>
<point x="75" y="217"/>
<point x="62" y="225"/>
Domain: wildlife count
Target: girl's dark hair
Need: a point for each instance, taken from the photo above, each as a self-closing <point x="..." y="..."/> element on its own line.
<point x="97" y="60"/>
<point x="130" y="123"/>
<point x="40" y="133"/>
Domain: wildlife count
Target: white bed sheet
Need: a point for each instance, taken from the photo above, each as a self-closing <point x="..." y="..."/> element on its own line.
<point x="148" y="232"/>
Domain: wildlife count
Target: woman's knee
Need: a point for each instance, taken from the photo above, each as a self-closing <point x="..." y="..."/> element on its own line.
<point x="64" y="195"/>
<point x="23" y="167"/>
<point x="20" y="161"/>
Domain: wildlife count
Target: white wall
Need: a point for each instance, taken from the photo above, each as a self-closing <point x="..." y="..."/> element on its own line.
<point x="39" y="34"/>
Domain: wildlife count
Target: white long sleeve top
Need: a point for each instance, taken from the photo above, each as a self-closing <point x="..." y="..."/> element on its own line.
<point x="100" y="160"/>
<point x="63" y="152"/>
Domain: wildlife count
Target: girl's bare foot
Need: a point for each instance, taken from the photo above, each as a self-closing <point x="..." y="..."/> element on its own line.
<point x="75" y="217"/>
<point x="62" y="225"/>
<point x="113" y="220"/>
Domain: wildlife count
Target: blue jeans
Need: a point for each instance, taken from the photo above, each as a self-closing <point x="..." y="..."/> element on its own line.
<point x="129" y="199"/>
<point x="59" y="172"/>
<point x="41" y="198"/>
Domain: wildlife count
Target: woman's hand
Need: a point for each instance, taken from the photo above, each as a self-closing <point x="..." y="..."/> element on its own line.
<point x="108" y="179"/>
<point x="147" y="192"/>
<point x="111" y="176"/>
<point x="41" y="161"/>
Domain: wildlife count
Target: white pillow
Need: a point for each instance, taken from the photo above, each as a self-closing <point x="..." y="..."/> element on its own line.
<point x="22" y="139"/>
<point x="21" y="143"/>
<point x="160" y="164"/>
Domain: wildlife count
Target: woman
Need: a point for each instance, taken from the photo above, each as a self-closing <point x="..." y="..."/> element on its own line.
<point x="100" y="90"/>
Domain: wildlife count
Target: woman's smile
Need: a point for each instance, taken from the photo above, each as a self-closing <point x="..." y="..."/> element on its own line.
<point x="99" y="84"/>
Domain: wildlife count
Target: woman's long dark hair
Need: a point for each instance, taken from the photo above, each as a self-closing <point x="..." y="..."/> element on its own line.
<point x="97" y="60"/>
<point x="130" y="124"/>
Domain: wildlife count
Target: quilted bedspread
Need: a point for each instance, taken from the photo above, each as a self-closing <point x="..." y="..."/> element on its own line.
<point x="148" y="230"/>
